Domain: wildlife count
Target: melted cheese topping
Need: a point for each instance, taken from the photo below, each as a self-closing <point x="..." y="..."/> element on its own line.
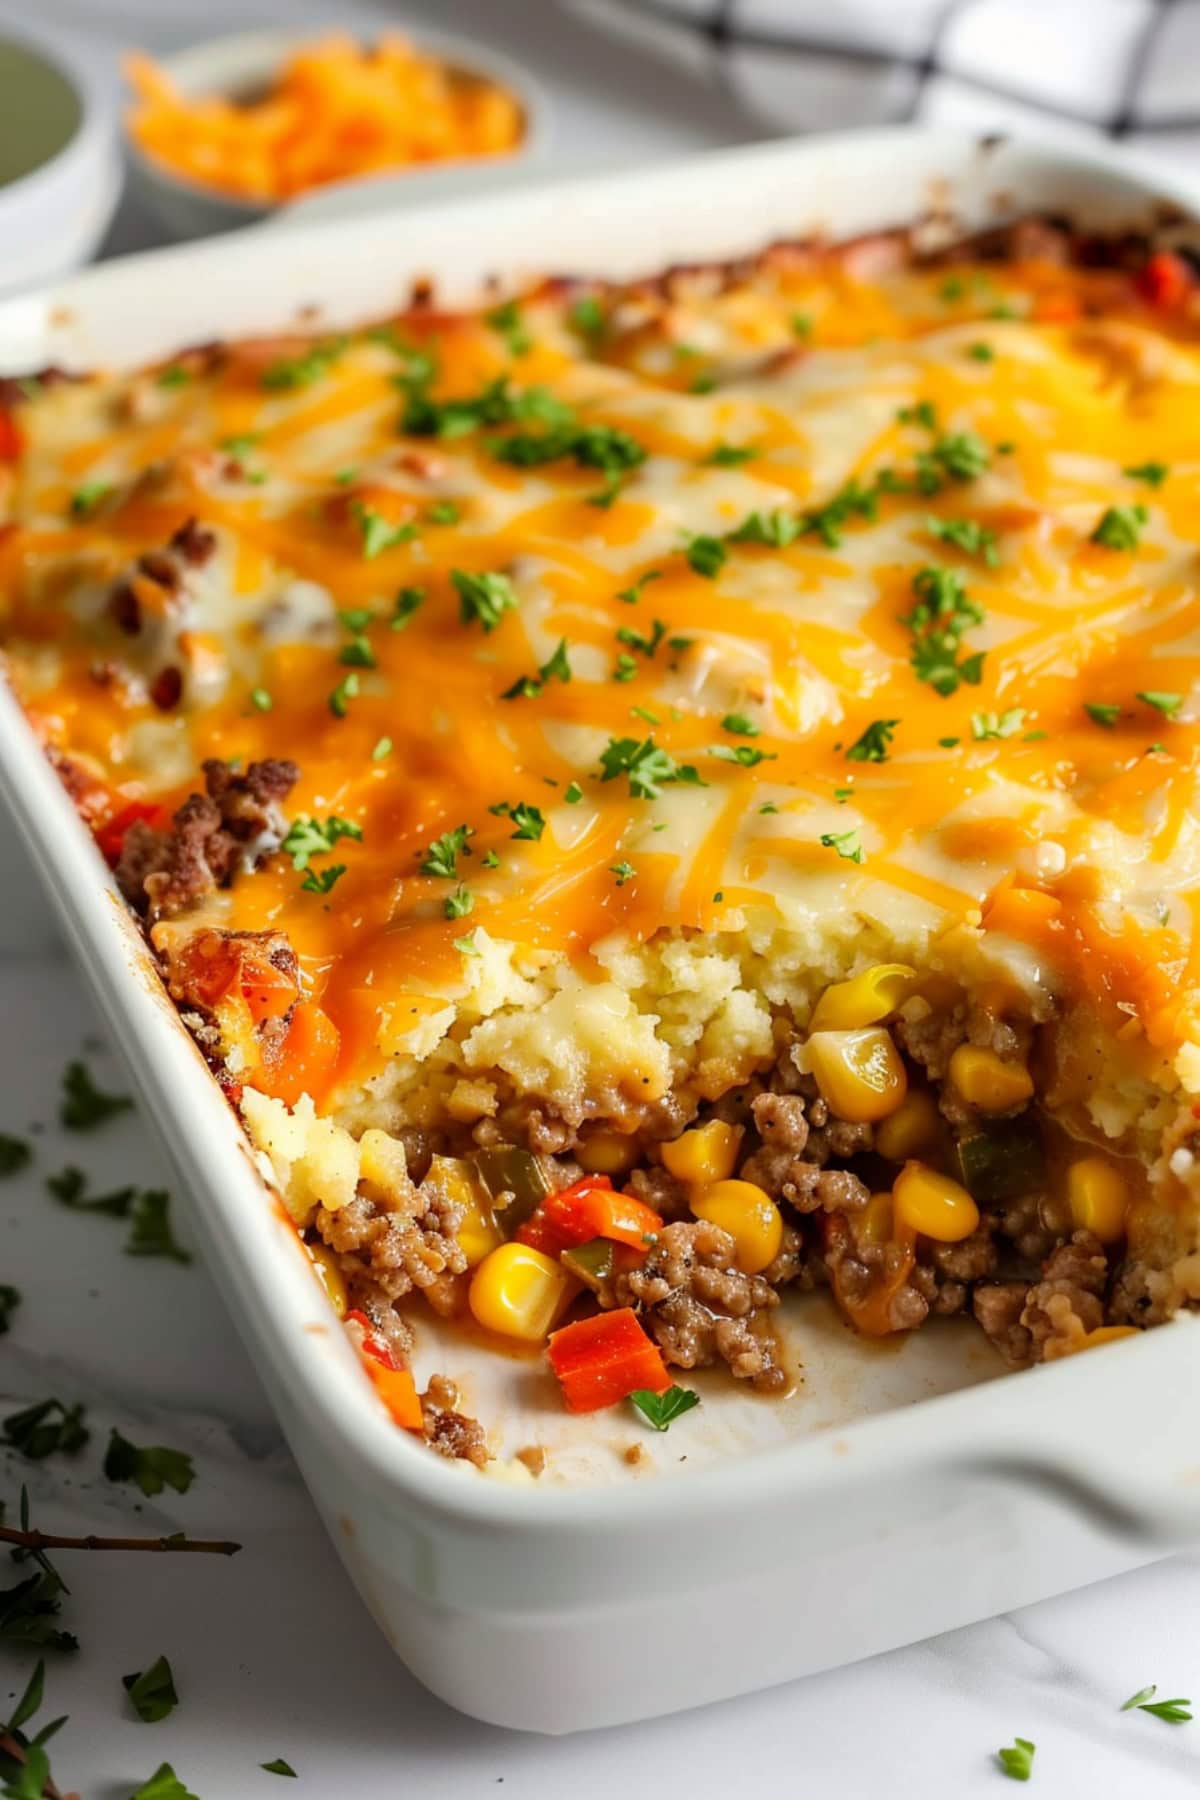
<point x="449" y="642"/>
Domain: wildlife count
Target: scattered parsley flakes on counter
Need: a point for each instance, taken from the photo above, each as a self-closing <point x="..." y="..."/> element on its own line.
<point x="152" y="1691"/>
<point x="1167" y="704"/>
<point x="164" y="1784"/>
<point x="150" y="1228"/>
<point x="85" y="1106"/>
<point x="659" y="1410"/>
<point x="152" y="1467"/>
<point x="15" y="1154"/>
<point x="46" y="1428"/>
<point x="846" y="843"/>
<point x="483" y="598"/>
<point x="69" y="1188"/>
<point x="1017" y="1759"/>
<point x="1172" y="1712"/>
<point x="10" y="1299"/>
<point x="1120" y="527"/>
<point x="874" y="742"/>
<point x="277" y="1766"/>
<point x="1102" y="712"/>
<point x="441" y="858"/>
<point x="1152" y="473"/>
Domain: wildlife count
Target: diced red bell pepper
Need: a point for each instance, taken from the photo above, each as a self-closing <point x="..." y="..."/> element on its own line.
<point x="370" y="1345"/>
<point x="395" y="1386"/>
<point x="304" y="1063"/>
<point x="589" y="1209"/>
<point x="1166" y="281"/>
<point x="604" y="1359"/>
<point x="11" y="443"/>
<point x="110" y="837"/>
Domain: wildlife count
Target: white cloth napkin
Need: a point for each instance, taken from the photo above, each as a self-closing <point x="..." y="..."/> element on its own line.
<point x="1056" y="68"/>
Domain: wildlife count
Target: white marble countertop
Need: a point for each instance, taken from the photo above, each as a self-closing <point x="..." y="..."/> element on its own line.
<point x="273" y="1654"/>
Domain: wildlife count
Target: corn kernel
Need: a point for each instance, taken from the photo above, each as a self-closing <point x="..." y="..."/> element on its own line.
<point x="607" y="1153"/>
<point x="330" y="1277"/>
<point x="860" y="1073"/>
<point x="1106" y="1334"/>
<point x="1097" y="1196"/>
<point x="750" y="1217"/>
<point x="477" y="1232"/>
<point x="986" y="1082"/>
<point x="933" y="1204"/>
<point x="864" y="999"/>
<point x="914" y="1126"/>
<point x="707" y="1153"/>
<point x="518" y="1292"/>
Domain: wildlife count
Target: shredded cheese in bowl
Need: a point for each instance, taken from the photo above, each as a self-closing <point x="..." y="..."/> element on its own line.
<point x="336" y="110"/>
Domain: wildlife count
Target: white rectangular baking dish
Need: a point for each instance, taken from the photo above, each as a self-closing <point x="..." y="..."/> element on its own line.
<point x="772" y="1540"/>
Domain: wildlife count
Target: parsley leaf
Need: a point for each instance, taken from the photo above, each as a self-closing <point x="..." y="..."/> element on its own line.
<point x="572" y="793"/>
<point x="15" y="1153"/>
<point x="507" y="321"/>
<point x="943" y="612"/>
<point x="981" y="352"/>
<point x="648" y="766"/>
<point x="1167" y="704"/>
<point x="380" y="534"/>
<point x="846" y="843"/>
<point x="527" y="819"/>
<point x="441" y="858"/>
<point x="1120" y="527"/>
<point x="659" y="1410"/>
<point x="86" y="499"/>
<point x="69" y="1188"/>
<point x="84" y="1105"/>
<point x="745" y="754"/>
<point x="483" y="598"/>
<point x="1152" y="473"/>
<point x="988" y="725"/>
<point x="730" y="456"/>
<point x="873" y="744"/>
<point x="587" y="317"/>
<point x="706" y="556"/>
<point x="967" y="535"/>
<point x="150" y="1228"/>
<point x="458" y="904"/>
<point x="260" y="699"/>
<point x="46" y="1428"/>
<point x="152" y="1691"/>
<point x="1172" y="1712"/>
<point x="955" y="456"/>
<point x="1017" y="1759"/>
<point x="775" y="529"/>
<point x="382" y="750"/>
<point x="302" y="371"/>
<point x="631" y="595"/>
<point x="345" y="691"/>
<point x="277" y="1766"/>
<point x="645" y="642"/>
<point x="323" y="881"/>
<point x="739" y="725"/>
<point x="1102" y="712"/>
<point x="307" y="837"/>
<point x="152" y="1467"/>
<point x="623" y="872"/>
<point x="556" y="668"/>
<point x="164" y="1784"/>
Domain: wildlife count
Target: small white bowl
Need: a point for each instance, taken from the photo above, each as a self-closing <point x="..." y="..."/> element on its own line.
<point x="58" y="133"/>
<point x="245" y="63"/>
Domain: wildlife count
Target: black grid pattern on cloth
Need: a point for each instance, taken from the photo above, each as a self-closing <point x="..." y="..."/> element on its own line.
<point x="1129" y="68"/>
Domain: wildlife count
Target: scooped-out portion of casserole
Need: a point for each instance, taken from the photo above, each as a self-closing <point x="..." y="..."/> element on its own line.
<point x="650" y="797"/>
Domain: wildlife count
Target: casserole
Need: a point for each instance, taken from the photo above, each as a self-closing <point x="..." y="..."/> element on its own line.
<point x="523" y="1607"/>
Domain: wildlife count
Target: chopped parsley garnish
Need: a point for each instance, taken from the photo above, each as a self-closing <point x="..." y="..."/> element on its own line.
<point x="458" y="904"/>
<point x="572" y="793"/>
<point x="943" y="612"/>
<point x="775" y="529"/>
<point x="967" y="535"/>
<point x="175" y="375"/>
<point x="164" y="1784"/>
<point x="801" y="324"/>
<point x="151" y="1468"/>
<point x="981" y="352"/>
<point x="706" y="556"/>
<point x="261" y="700"/>
<point x="988" y="725"/>
<point x="1173" y="1712"/>
<point x="739" y="725"/>
<point x="15" y="1153"/>
<point x="922" y="413"/>
<point x="645" y="642"/>
<point x="10" y="1299"/>
<point x="46" y="1428"/>
<point x="152" y="1691"/>
<point x="1167" y="704"/>
<point x="277" y="1766"/>
<point x="587" y="317"/>
<point x="85" y="1106"/>
<point x="1152" y="473"/>
<point x="557" y="667"/>
<point x="467" y="945"/>
<point x="745" y="754"/>
<point x="659" y="1410"/>
<point x="1017" y="1759"/>
<point x="624" y="871"/>
<point x="342" y="694"/>
<point x="625" y="667"/>
<point x="307" y="837"/>
<point x="443" y="512"/>
<point x="846" y="843"/>
<point x="357" y="654"/>
<point x="442" y="856"/>
<point x="496" y="404"/>
<point x="87" y="498"/>
<point x="648" y="767"/>
<point x="604" y="447"/>
<point x="1120" y="527"/>
<point x="528" y="820"/>
<point x="382" y="749"/>
<point x="407" y="602"/>
<point x="956" y="456"/>
<point x="150" y="1231"/>
<point x="489" y="860"/>
<point x="873" y="744"/>
<point x="1102" y="712"/>
<point x="730" y="456"/>
<point x="631" y="595"/>
<point x="323" y="881"/>
<point x="483" y="598"/>
<point x="302" y="371"/>
<point x="507" y="321"/>
<point x="380" y="534"/>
